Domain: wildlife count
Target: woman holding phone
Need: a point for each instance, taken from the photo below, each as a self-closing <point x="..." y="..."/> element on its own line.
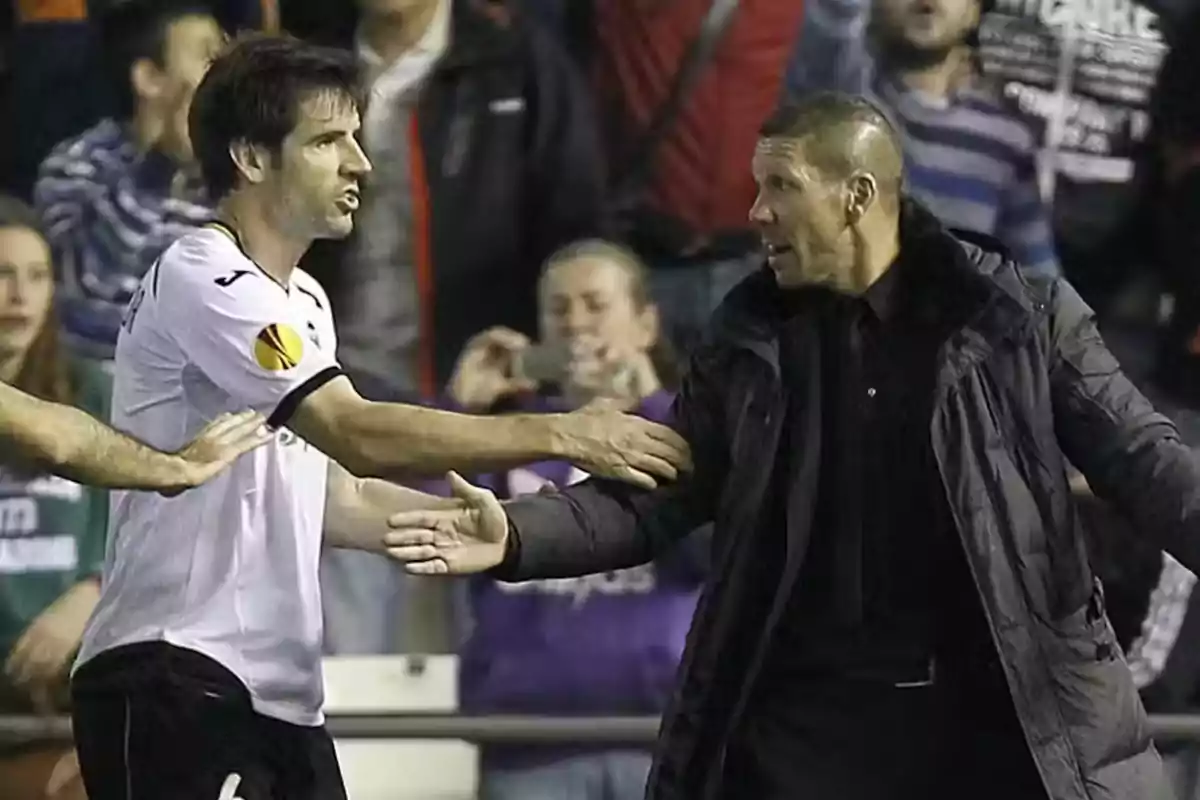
<point x="598" y="644"/>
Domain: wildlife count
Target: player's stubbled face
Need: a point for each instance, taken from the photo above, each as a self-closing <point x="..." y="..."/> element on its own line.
<point x="320" y="168"/>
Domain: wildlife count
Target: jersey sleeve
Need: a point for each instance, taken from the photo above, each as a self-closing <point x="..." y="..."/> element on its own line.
<point x="240" y="329"/>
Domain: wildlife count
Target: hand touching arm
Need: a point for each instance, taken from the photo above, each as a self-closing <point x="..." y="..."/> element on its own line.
<point x="73" y="444"/>
<point x="389" y="440"/>
<point x="246" y="339"/>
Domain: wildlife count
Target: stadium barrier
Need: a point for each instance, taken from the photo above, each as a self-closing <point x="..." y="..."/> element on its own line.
<point x="507" y="729"/>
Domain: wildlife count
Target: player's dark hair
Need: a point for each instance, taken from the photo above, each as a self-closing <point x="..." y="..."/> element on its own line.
<point x="135" y="30"/>
<point x="253" y="93"/>
<point x="44" y="370"/>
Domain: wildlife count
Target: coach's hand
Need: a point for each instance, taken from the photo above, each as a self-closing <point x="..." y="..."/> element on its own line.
<point x="219" y="445"/>
<point x="451" y="541"/>
<point x="603" y="441"/>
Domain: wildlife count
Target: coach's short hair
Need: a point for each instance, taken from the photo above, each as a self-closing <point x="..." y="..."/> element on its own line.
<point x="253" y="92"/>
<point x="844" y="133"/>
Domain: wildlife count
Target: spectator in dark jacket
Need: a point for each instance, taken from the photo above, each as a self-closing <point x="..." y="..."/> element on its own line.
<point x="900" y="602"/>
<point x="486" y="160"/>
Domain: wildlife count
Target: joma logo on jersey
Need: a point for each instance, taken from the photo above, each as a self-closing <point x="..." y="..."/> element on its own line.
<point x="278" y="347"/>
<point x="226" y="281"/>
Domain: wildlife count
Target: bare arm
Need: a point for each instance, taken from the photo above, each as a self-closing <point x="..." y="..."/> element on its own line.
<point x="395" y="442"/>
<point x="357" y="509"/>
<point x="73" y="444"/>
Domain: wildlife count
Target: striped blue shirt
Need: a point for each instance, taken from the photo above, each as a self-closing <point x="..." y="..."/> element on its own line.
<point x="971" y="160"/>
<point x="108" y="210"/>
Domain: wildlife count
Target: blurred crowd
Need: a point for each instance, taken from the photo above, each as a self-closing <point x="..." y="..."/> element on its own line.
<point x="559" y="198"/>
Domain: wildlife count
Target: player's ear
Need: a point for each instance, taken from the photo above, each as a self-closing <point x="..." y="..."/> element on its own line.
<point x="250" y="160"/>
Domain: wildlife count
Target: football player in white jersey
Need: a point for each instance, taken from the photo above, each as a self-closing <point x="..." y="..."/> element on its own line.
<point x="199" y="672"/>
<point x="72" y="444"/>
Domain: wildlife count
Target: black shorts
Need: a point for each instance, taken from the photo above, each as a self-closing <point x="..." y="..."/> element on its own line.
<point x="153" y="721"/>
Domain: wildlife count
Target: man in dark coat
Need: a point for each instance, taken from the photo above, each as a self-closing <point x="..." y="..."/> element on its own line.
<point x="900" y="603"/>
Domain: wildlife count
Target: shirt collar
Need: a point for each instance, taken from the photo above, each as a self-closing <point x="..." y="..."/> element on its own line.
<point x="881" y="296"/>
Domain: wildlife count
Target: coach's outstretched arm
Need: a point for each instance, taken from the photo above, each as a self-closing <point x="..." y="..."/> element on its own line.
<point x="70" y="443"/>
<point x="595" y="526"/>
<point x="395" y="441"/>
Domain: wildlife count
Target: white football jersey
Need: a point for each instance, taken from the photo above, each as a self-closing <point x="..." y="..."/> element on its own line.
<point x="228" y="569"/>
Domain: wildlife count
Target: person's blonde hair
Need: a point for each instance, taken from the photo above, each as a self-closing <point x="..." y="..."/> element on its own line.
<point x="662" y="353"/>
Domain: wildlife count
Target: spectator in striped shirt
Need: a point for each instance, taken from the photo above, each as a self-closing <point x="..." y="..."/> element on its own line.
<point x="112" y="199"/>
<point x="970" y="157"/>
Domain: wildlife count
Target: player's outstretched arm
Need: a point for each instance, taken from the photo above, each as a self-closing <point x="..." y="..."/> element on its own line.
<point x="71" y="443"/>
<point x="357" y="510"/>
<point x="394" y="441"/>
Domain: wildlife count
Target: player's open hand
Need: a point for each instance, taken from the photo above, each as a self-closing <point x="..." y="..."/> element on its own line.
<point x="219" y="445"/>
<point x="603" y="441"/>
<point x="451" y="541"/>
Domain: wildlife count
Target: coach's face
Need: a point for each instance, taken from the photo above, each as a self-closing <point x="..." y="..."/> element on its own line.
<point x="320" y="167"/>
<point x="800" y="214"/>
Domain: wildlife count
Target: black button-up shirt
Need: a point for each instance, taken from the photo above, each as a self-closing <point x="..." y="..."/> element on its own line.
<point x="881" y="535"/>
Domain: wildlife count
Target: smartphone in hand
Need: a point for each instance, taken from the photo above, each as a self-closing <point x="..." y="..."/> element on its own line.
<point x="543" y="362"/>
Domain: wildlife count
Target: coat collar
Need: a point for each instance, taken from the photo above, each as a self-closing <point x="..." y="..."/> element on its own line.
<point x="974" y="286"/>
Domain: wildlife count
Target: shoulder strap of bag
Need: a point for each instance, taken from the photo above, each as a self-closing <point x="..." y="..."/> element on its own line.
<point x="698" y="55"/>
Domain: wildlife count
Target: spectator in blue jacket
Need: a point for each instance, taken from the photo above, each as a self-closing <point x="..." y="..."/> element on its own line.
<point x="113" y="198"/>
